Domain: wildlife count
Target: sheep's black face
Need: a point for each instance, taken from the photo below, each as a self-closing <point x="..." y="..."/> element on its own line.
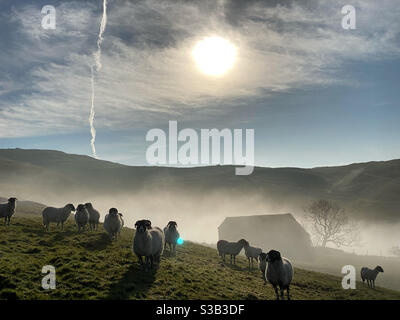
<point x="147" y="223"/>
<point x="12" y="200"/>
<point x="71" y="207"/>
<point x="88" y="205"/>
<point x="379" y="268"/>
<point x="244" y="242"/>
<point x="81" y="207"/>
<point x="172" y="224"/>
<point x="274" y="255"/>
<point x="142" y="225"/>
<point x="113" y="212"/>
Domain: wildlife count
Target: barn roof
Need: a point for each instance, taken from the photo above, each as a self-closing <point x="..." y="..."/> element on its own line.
<point x="267" y="222"/>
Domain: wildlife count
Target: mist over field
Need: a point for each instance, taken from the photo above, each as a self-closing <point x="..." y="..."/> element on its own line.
<point x="201" y="198"/>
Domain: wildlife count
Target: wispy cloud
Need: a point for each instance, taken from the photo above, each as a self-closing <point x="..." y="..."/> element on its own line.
<point x="148" y="72"/>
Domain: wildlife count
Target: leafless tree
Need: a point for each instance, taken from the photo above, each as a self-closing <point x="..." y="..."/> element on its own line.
<point x="331" y="224"/>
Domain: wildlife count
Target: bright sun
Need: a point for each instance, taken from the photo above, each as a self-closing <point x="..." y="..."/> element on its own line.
<point x="214" y="55"/>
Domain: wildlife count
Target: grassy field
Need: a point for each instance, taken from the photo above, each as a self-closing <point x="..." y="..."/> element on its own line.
<point x="89" y="266"/>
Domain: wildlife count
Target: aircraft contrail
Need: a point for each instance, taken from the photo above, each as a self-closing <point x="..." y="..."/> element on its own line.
<point x="97" y="60"/>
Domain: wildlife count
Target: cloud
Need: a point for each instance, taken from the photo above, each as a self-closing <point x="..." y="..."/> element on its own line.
<point x="148" y="73"/>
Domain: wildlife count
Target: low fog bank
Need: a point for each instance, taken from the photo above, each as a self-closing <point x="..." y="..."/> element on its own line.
<point x="199" y="214"/>
<point x="376" y="238"/>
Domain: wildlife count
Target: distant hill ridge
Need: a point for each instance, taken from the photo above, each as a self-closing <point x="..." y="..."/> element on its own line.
<point x="368" y="190"/>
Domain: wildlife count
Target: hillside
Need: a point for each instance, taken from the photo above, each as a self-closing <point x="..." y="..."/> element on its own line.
<point x="369" y="191"/>
<point x="88" y="266"/>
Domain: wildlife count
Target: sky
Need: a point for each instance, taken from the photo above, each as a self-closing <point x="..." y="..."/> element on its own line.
<point x="315" y="94"/>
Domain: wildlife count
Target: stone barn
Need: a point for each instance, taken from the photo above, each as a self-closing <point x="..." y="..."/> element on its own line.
<point x="281" y="232"/>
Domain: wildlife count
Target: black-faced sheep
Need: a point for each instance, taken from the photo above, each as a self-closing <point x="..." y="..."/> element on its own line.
<point x="251" y="253"/>
<point x="94" y="216"/>
<point x="171" y="236"/>
<point x="279" y="273"/>
<point x="370" y="275"/>
<point x="232" y="248"/>
<point x="113" y="223"/>
<point x="148" y="242"/>
<point x="81" y="217"/>
<point x="7" y="210"/>
<point x="57" y="215"/>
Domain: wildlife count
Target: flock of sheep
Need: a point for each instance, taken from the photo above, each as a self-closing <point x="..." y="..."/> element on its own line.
<point x="274" y="268"/>
<point x="150" y="242"/>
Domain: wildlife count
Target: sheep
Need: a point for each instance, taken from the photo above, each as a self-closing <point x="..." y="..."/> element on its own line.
<point x="171" y="236"/>
<point x="232" y="248"/>
<point x="279" y="272"/>
<point x="148" y="242"/>
<point x="113" y="223"/>
<point x="58" y="215"/>
<point x="8" y="209"/>
<point x="262" y="265"/>
<point x="370" y="275"/>
<point x="251" y="253"/>
<point x="94" y="216"/>
<point x="81" y="217"/>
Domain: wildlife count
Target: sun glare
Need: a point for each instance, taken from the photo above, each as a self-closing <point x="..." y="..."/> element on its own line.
<point x="214" y="55"/>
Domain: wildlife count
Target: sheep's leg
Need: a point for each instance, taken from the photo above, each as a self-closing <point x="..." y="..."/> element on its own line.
<point x="140" y="261"/>
<point x="288" y="294"/>
<point x="248" y="259"/>
<point x="276" y="292"/>
<point x="282" y="293"/>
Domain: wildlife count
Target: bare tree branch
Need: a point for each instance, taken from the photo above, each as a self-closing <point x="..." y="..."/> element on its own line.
<point x="330" y="224"/>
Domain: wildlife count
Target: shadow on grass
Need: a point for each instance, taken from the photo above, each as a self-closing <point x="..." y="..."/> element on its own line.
<point x="61" y="235"/>
<point x="134" y="284"/>
<point x="232" y="266"/>
<point x="100" y="243"/>
<point x="168" y="254"/>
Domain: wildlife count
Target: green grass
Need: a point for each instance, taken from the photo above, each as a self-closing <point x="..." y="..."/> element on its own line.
<point x="89" y="266"/>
